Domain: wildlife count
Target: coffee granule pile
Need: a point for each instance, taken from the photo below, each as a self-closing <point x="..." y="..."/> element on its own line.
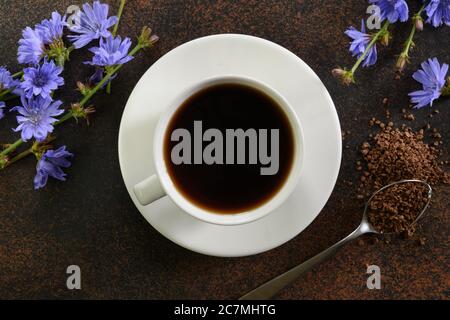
<point x="395" y="209"/>
<point x="395" y="154"/>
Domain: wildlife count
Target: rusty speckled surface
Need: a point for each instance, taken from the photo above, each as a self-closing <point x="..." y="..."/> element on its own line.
<point x="90" y="220"/>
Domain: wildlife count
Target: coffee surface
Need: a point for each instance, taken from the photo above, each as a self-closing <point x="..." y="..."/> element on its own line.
<point x="230" y="188"/>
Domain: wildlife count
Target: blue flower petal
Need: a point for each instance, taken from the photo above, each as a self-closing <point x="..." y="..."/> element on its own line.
<point x="432" y="77"/>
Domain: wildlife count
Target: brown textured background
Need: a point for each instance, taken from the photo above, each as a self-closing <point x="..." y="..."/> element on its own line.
<point x="90" y="221"/>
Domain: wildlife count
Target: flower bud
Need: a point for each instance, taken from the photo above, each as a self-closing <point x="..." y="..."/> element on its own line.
<point x="84" y="89"/>
<point x="338" y="73"/>
<point x="419" y="23"/>
<point x="81" y="86"/>
<point x="80" y="112"/>
<point x="146" y="39"/>
<point x="346" y="77"/>
<point x="385" y="38"/>
<point x="401" y="62"/>
<point x="57" y="51"/>
<point x="154" y="39"/>
<point x="3" y="162"/>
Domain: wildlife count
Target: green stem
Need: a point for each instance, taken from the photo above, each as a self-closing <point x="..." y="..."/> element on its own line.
<point x="4" y="94"/>
<point x="19" y="157"/>
<point x="108" y="88"/>
<point x="369" y="47"/>
<point x="12" y="147"/>
<point x="18" y="74"/>
<point x="114" y="33"/>
<point x="409" y="42"/>
<point x="67" y="116"/>
<point x="93" y="91"/>
<point x="119" y="16"/>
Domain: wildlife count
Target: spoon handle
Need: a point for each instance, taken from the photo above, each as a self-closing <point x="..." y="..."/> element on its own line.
<point x="272" y="287"/>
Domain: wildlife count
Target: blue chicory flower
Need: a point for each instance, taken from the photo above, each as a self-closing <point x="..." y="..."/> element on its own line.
<point x="359" y="45"/>
<point x="393" y="10"/>
<point x="51" y="164"/>
<point x="36" y="117"/>
<point x="112" y="51"/>
<point x="31" y="47"/>
<point x="6" y="80"/>
<point x="93" y="24"/>
<point x="41" y="80"/>
<point x="52" y="29"/>
<point x="438" y="12"/>
<point x="2" y="106"/>
<point x="432" y="77"/>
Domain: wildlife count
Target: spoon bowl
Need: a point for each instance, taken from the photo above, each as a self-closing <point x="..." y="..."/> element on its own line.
<point x="365" y="219"/>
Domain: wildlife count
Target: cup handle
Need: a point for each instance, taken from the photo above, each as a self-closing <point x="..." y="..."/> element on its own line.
<point x="149" y="190"/>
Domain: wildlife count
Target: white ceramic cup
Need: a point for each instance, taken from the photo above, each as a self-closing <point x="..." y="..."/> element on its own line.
<point x="160" y="184"/>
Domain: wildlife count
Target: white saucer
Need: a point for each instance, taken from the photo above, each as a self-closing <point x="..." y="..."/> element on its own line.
<point x="250" y="57"/>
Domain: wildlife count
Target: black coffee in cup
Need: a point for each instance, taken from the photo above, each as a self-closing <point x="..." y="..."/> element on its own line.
<point x="229" y="148"/>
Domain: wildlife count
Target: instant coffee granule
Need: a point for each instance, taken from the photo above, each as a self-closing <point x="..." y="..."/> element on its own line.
<point x="395" y="154"/>
<point x="395" y="209"/>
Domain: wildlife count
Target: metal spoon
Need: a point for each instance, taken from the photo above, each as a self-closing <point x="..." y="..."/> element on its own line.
<point x="269" y="289"/>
